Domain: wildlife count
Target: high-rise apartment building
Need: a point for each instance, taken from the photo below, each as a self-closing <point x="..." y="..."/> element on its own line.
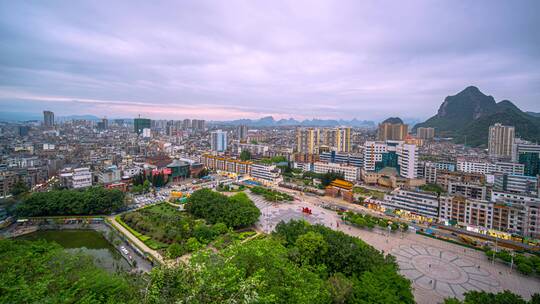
<point x="407" y="160"/>
<point x="22" y="130"/>
<point x="242" y="132"/>
<point x="501" y="140"/>
<point x="198" y="124"/>
<point x="103" y="124"/>
<point x="186" y="124"/>
<point x="425" y="133"/>
<point x="337" y="138"/>
<point x="392" y="131"/>
<point x="139" y="124"/>
<point x="395" y="154"/>
<point x="307" y="140"/>
<point x="218" y="141"/>
<point x="48" y="119"/>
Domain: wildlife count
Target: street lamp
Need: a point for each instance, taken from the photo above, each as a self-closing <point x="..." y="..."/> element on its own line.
<point x="494" y="251"/>
<point x="512" y="261"/>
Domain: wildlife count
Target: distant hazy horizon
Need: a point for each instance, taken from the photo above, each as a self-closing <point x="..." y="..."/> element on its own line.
<point x="237" y="60"/>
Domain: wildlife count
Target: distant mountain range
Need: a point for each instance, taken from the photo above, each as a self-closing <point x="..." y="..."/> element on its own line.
<point x="467" y="116"/>
<point x="393" y="120"/>
<point x="24" y="116"/>
<point x="269" y="121"/>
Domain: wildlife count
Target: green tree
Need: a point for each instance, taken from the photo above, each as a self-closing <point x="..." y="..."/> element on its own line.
<point x="202" y="173"/>
<point x="340" y="288"/>
<point x="146" y="185"/>
<point x="175" y="250"/>
<point x="245" y="155"/>
<point x="19" y="188"/>
<point x="193" y="244"/>
<point x="311" y="246"/>
<point x="235" y="211"/>
<point x="90" y="201"/>
<point x="482" y="297"/>
<point x="41" y="272"/>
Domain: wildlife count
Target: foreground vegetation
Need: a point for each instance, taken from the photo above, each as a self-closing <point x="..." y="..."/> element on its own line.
<point x="236" y="211"/>
<point x="271" y="195"/>
<point x="299" y="263"/>
<point x="90" y="201"/>
<point x="41" y="272"/>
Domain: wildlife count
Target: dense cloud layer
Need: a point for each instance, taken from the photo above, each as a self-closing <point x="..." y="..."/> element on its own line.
<point x="236" y="59"/>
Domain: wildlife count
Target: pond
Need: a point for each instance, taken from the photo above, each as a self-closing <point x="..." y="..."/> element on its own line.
<point x="86" y="241"/>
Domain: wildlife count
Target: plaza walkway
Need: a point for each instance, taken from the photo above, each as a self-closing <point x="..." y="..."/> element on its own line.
<point x="133" y="239"/>
<point x="436" y="268"/>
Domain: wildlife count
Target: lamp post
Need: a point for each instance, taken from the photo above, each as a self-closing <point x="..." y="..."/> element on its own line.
<point x="512" y="261"/>
<point x="494" y="251"/>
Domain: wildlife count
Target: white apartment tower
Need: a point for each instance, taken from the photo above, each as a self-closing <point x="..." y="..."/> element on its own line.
<point x="501" y="140"/>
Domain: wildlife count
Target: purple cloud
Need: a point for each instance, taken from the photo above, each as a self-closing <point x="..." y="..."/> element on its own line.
<point x="235" y="59"/>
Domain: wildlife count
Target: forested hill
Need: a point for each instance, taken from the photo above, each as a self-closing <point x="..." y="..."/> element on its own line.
<point x="467" y="116"/>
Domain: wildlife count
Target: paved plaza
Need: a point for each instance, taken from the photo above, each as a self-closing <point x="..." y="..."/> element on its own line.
<point x="274" y="213"/>
<point x="437" y="269"/>
<point x="442" y="271"/>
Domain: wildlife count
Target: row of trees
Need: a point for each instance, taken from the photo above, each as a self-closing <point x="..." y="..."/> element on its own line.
<point x="527" y="265"/>
<point x="235" y="211"/>
<point x="41" y="272"/>
<point x="156" y="180"/>
<point x="366" y="220"/>
<point x="90" y="201"/>
<point x="271" y="195"/>
<point x="482" y="297"/>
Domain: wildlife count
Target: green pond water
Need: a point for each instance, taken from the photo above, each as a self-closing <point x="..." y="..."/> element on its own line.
<point x="85" y="241"/>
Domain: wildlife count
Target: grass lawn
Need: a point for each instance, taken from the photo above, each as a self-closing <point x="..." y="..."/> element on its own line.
<point x="162" y="225"/>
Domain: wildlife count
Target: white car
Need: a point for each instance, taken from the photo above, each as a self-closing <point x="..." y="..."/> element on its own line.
<point x="124" y="250"/>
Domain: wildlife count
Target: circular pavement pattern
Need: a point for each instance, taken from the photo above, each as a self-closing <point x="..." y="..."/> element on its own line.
<point x="443" y="271"/>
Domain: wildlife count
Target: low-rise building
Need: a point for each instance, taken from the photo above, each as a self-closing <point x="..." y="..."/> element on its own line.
<point x="76" y="178"/>
<point x="516" y="184"/>
<point x="350" y="173"/>
<point x="418" y="203"/>
<point x="225" y="164"/>
<point x="486" y="167"/>
<point x="468" y="190"/>
<point x="109" y="175"/>
<point x="266" y="174"/>
<point x="506" y="212"/>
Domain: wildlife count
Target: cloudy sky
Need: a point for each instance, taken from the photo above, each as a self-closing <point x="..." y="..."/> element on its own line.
<point x="248" y="59"/>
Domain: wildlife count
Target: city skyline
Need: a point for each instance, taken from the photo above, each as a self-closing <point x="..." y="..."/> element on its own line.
<point x="208" y="60"/>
